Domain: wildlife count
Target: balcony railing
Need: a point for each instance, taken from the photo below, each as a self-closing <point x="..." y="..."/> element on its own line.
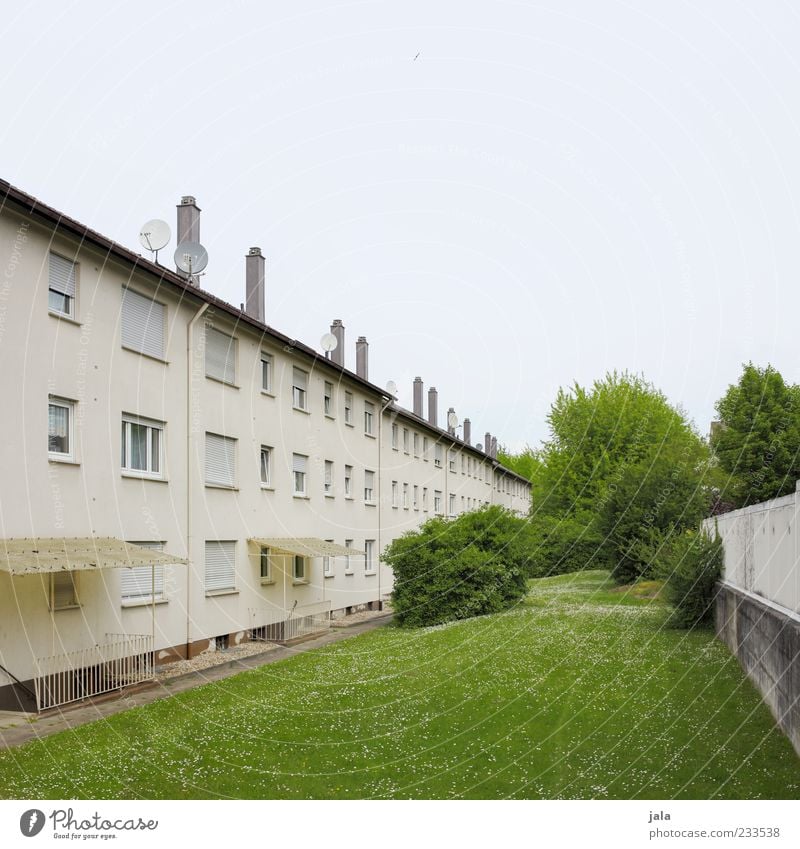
<point x="124" y="659"/>
<point x="281" y="626"/>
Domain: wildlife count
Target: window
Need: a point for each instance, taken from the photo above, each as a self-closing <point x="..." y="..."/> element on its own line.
<point x="327" y="564"/>
<point x="143" y="583"/>
<point x="425" y="498"/>
<point x="329" y="478"/>
<point x="437" y="502"/>
<point x="395" y="431"/>
<point x="369" y="415"/>
<point x="266" y="466"/>
<point x="348" y="565"/>
<point x="369" y="560"/>
<point x="369" y="486"/>
<point x="463" y="465"/>
<point x="220" y="356"/>
<point x="395" y="495"/>
<point x="406" y="441"/>
<point x="142" y="324"/>
<point x="405" y="496"/>
<point x="299" y="568"/>
<point x="220" y="565"/>
<point x="266" y="372"/>
<point x="62" y="286"/>
<point x="451" y="458"/>
<point x="425" y="448"/>
<point x="348" y="408"/>
<point x="59" y="428"/>
<point x="416" y="497"/>
<point x="438" y="458"/>
<point x="348" y="481"/>
<point x="452" y="505"/>
<point x="299" y="467"/>
<point x="220" y="460"/>
<point x="265" y="565"/>
<point x="63" y="590"/>
<point x="328" y="399"/>
<point x="416" y="445"/>
<point x="299" y="389"/>
<point x="142" y="442"/>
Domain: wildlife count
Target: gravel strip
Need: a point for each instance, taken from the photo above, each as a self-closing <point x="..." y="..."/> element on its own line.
<point x="209" y="659"/>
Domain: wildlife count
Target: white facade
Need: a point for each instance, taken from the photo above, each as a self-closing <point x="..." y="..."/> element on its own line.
<point x="174" y="420"/>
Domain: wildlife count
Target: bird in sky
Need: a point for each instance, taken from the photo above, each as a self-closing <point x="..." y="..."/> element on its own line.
<point x="416" y="57"/>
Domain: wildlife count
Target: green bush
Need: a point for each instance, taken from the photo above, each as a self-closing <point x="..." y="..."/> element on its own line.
<point x="690" y="564"/>
<point x="458" y="568"/>
<point x="561" y="544"/>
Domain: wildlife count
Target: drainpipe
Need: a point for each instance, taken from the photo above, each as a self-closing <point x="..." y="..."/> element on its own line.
<point x="189" y="445"/>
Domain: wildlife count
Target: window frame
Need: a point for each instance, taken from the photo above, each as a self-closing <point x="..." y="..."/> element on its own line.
<point x="348" y="482"/>
<point x="144" y="599"/>
<point x="299" y="393"/>
<point x="71" y="299"/>
<point x="151" y="425"/>
<point x="328" y="480"/>
<point x="234" y="477"/>
<point x="233" y="350"/>
<point x="329" y="399"/>
<point x="75" y="604"/>
<point x="219" y="590"/>
<point x="348" y="409"/>
<point x="295" y="491"/>
<point x="301" y="578"/>
<point x="265" y="559"/>
<point x="369" y="418"/>
<point x="69" y="455"/>
<point x="267" y="362"/>
<point x="369" y="499"/>
<point x="348" y="561"/>
<point x="370" y="567"/>
<point x="265" y="450"/>
<point x="162" y="355"/>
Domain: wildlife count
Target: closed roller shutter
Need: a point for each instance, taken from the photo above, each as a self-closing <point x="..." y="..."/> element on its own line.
<point x="220" y="565"/>
<point x="220" y="460"/>
<point x="220" y="355"/>
<point x="142" y="324"/>
<point x="141" y="582"/>
<point x="62" y="275"/>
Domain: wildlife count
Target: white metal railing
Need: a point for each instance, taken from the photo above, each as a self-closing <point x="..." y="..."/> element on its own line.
<point x="124" y="659"/>
<point x="283" y="625"/>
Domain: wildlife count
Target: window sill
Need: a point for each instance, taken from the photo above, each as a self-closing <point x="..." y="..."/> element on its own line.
<point x="298" y="583"/>
<point x="349" y="574"/>
<point x="142" y="602"/>
<point x="223" y="382"/>
<point x="267" y="582"/>
<point x="370" y="571"/>
<point x="142" y="477"/>
<point x="268" y="393"/>
<point x="349" y="424"/>
<point x="369" y="435"/>
<point x="300" y="497"/>
<point x="301" y="410"/>
<point x="67" y="461"/>
<point x="66" y="607"/>
<point x="349" y="498"/>
<point x="370" y="504"/>
<point x="215" y="593"/>
<point x="144" y="354"/>
<point x="330" y="416"/>
<point x="63" y="317"/>
<point x="329" y="495"/>
<point x="222" y="486"/>
<point x="395" y="448"/>
<point x="329" y="576"/>
<point x="267" y="487"/>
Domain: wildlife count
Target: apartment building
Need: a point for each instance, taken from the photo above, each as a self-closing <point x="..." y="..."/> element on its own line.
<point x="205" y="478"/>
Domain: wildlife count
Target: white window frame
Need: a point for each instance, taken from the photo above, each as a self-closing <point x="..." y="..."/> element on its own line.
<point x="438" y="456"/>
<point x="405" y="496"/>
<point x="128" y="421"/>
<point x="451" y="460"/>
<point x="231" y="444"/>
<point x="153" y="339"/>
<point x="369" y="557"/>
<point x="348" y="409"/>
<point x="406" y="441"/>
<point x="416" y="444"/>
<point x="265" y="560"/>
<point x="328" y="564"/>
<point x="299" y="389"/>
<point x="267" y="372"/>
<point x="451" y="507"/>
<point x="53" y="577"/>
<point x="348" y="563"/>
<point x="369" y="490"/>
<point x="415" y="497"/>
<point x="437" y="502"/>
<point x="228" y="373"/>
<point x="266" y="451"/>
<point x="425" y="449"/>
<point x="328" y="480"/>
<point x="348" y="482"/>
<point x="424" y="499"/>
<point x="69" y="406"/>
<point x="300" y="493"/>
<point x="216" y="590"/>
<point x="369" y="418"/>
<point x="70" y="290"/>
<point x="395" y="494"/>
<point x="299" y="576"/>
<point x="395" y="439"/>
<point x="329" y="400"/>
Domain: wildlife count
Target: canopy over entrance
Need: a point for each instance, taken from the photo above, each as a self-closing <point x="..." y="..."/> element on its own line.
<point x="74" y="554"/>
<point x="306" y="547"/>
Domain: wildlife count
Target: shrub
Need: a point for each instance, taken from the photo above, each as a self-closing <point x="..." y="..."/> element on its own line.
<point x="690" y="563"/>
<point x="561" y="544"/>
<point x="458" y="568"/>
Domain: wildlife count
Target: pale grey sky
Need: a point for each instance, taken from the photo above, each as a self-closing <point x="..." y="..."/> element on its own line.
<point x="549" y="191"/>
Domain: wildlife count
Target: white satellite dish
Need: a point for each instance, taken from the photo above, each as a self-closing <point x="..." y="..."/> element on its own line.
<point x="479" y="447"/>
<point x="191" y="258"/>
<point x="154" y="235"/>
<point x="391" y="387"/>
<point x="329" y="343"/>
<point x="452" y="421"/>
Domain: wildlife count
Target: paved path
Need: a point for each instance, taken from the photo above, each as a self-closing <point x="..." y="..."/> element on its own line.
<point x="27" y="727"/>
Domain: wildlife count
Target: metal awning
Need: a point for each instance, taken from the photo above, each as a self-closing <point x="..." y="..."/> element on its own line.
<point x="73" y="554"/>
<point x="307" y="547"/>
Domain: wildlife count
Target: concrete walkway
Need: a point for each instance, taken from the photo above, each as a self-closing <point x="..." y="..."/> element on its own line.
<point x="19" y="728"/>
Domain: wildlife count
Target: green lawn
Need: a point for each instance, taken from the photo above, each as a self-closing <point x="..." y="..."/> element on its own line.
<point x="578" y="693"/>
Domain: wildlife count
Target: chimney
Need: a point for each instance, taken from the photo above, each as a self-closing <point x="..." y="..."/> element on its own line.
<point x="188" y="220"/>
<point x="494" y="447"/>
<point x="337" y="354"/>
<point x="487" y="444"/>
<point x="362" y="357"/>
<point x="433" y="412"/>
<point x="254" y="284"/>
<point x="418" y="397"/>
<point x="450" y="430"/>
<point x="467" y="431"/>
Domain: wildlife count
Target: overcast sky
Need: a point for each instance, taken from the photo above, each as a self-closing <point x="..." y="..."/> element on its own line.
<point x="546" y="192"/>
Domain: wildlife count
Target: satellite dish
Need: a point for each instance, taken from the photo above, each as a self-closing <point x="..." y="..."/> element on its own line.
<point x="154" y="234"/>
<point x="191" y="257"/>
<point x="452" y="421"/>
<point x="479" y="447"/>
<point x="391" y="387"/>
<point x="329" y="343"/>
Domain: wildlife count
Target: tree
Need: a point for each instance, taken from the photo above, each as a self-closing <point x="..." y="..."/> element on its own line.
<point x="526" y="463"/>
<point x="619" y="462"/>
<point x="757" y="440"/>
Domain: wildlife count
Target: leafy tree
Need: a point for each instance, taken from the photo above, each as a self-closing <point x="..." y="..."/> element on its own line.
<point x="526" y="463"/>
<point x="757" y="440"/>
<point x="457" y="568"/>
